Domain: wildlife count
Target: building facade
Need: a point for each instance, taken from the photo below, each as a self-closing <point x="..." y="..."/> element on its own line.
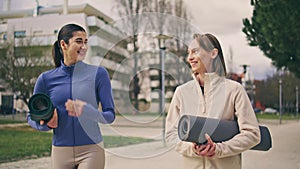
<point x="38" y="28"/>
<point x="108" y="47"/>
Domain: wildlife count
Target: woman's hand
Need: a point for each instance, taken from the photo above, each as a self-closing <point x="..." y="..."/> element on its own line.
<point x="53" y="122"/>
<point x="75" y="108"/>
<point x="206" y="150"/>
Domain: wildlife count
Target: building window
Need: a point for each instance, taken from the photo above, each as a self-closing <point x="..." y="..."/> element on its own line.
<point x="3" y="36"/>
<point x="37" y="33"/>
<point x="19" y="34"/>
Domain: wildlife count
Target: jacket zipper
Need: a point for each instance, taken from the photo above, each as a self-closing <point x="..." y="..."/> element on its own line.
<point x="202" y="95"/>
<point x="71" y="97"/>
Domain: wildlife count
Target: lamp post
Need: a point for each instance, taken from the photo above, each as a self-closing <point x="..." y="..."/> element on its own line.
<point x="133" y="51"/>
<point x="161" y="42"/>
<point x="297" y="103"/>
<point x="244" y="72"/>
<point x="280" y="101"/>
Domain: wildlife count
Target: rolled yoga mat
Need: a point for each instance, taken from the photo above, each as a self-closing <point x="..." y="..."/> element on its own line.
<point x="40" y="107"/>
<point x="193" y="129"/>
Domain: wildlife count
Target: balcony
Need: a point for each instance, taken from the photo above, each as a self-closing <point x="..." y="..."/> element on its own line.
<point x="118" y="85"/>
<point x="97" y="41"/>
<point x="104" y="30"/>
<point x="109" y="64"/>
<point x="43" y="40"/>
<point x="3" y="28"/>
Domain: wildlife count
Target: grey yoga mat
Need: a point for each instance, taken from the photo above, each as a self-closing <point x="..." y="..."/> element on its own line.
<point x="193" y="129"/>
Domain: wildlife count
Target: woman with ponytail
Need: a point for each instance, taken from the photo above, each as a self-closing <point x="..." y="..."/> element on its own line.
<point x="210" y="94"/>
<point x="76" y="90"/>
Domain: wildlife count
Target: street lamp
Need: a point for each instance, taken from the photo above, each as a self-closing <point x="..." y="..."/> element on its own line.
<point x="280" y="101"/>
<point x="297" y="103"/>
<point x="244" y="72"/>
<point x="161" y="42"/>
<point x="132" y="50"/>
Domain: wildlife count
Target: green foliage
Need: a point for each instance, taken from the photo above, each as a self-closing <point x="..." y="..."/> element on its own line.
<point x="275" y="29"/>
<point x="20" y="66"/>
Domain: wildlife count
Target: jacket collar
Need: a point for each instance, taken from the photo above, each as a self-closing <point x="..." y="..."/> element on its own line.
<point x="211" y="80"/>
<point x="69" y="69"/>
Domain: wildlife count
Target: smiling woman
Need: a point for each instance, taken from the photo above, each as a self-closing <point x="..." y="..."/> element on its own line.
<point x="76" y="89"/>
<point x="211" y="95"/>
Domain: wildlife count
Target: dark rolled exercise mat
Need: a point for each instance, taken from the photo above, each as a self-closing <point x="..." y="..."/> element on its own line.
<point x="193" y="129"/>
<point x="40" y="107"/>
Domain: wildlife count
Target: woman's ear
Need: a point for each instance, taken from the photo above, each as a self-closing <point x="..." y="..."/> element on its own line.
<point x="214" y="53"/>
<point x="63" y="45"/>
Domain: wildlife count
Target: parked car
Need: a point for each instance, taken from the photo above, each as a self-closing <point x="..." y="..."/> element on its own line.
<point x="257" y="110"/>
<point x="270" y="110"/>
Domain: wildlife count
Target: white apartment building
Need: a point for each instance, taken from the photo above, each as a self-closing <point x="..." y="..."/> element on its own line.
<point x="39" y="27"/>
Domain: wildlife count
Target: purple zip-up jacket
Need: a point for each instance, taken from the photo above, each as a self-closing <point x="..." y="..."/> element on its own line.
<point x="80" y="81"/>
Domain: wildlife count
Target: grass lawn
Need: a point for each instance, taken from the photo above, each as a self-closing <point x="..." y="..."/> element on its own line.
<point x="23" y="143"/>
<point x="10" y="121"/>
<point x="276" y="116"/>
<point x="27" y="143"/>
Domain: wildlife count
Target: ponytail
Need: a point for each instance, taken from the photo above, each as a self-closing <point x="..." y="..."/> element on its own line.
<point x="56" y="54"/>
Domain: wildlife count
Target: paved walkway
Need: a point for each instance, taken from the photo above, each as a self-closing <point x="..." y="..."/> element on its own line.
<point x="285" y="153"/>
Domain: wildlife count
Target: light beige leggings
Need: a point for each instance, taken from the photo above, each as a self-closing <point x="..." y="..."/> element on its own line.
<point x="78" y="157"/>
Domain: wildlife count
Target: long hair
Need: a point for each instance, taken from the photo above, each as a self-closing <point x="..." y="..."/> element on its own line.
<point x="208" y="42"/>
<point x="65" y="33"/>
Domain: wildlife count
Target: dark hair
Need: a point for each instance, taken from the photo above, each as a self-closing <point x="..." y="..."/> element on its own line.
<point x="65" y="33"/>
<point x="208" y="42"/>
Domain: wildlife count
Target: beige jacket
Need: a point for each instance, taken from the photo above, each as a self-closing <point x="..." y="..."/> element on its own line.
<point x="222" y="99"/>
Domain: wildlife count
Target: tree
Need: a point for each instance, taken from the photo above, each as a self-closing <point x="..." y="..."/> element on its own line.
<point x="268" y="91"/>
<point x="275" y="29"/>
<point x="21" y="64"/>
<point x="130" y="8"/>
<point x="180" y="10"/>
<point x="134" y="8"/>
